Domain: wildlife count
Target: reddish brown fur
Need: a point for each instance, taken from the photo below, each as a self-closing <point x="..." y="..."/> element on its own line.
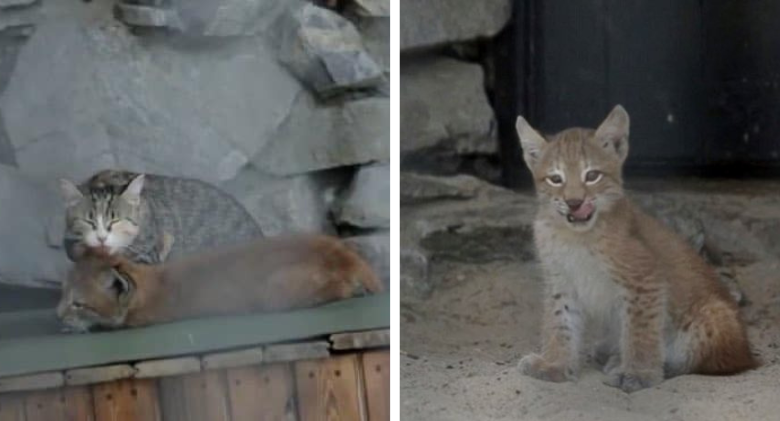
<point x="617" y="265"/>
<point x="269" y="274"/>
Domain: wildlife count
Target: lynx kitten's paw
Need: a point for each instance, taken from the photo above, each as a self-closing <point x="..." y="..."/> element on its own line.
<point x="633" y="381"/>
<point x="535" y="366"/>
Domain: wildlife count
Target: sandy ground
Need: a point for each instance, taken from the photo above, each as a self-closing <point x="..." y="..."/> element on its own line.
<point x="460" y="349"/>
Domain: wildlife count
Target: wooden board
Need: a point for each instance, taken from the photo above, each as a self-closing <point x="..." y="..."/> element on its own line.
<point x="126" y="400"/>
<point x="361" y="340"/>
<point x="167" y="367"/>
<point x="329" y="389"/>
<point x="11" y="407"/>
<point x="27" y="337"/>
<point x="38" y="381"/>
<point x="194" y="397"/>
<point x="265" y="393"/>
<point x="376" y="375"/>
<point x="44" y="405"/>
<point x="78" y="403"/>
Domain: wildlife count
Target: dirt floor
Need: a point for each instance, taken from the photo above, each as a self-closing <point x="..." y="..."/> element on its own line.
<point x="461" y="345"/>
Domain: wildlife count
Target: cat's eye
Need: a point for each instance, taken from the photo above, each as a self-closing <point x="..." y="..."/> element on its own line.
<point x="554" y="180"/>
<point x="77" y="305"/>
<point x="592" y="176"/>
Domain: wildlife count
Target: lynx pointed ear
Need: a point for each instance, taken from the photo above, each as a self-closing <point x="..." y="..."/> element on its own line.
<point x="531" y="141"/>
<point x="613" y="132"/>
<point x="122" y="284"/>
<point x="132" y="193"/>
<point x="71" y="195"/>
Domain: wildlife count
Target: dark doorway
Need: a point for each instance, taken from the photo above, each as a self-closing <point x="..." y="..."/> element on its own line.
<point x="700" y="79"/>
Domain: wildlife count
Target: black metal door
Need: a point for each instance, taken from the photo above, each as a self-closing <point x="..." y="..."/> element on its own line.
<point x="700" y="79"/>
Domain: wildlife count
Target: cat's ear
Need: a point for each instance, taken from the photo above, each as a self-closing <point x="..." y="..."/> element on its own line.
<point x="531" y="141"/>
<point x="132" y="193"/>
<point x="71" y="195"/>
<point x="613" y="132"/>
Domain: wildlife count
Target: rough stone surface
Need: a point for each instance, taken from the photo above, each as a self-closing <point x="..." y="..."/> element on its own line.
<point x="219" y="18"/>
<point x="367" y="202"/>
<point x="146" y="104"/>
<point x="205" y="98"/>
<point x="376" y="32"/>
<point x="436" y="22"/>
<point x="375" y="248"/>
<point x="373" y="8"/>
<point x="415" y="280"/>
<point x="15" y="3"/>
<point x="495" y="225"/>
<point x="287" y="204"/>
<point x="7" y="154"/>
<point x="27" y="203"/>
<point x="421" y="188"/>
<point x="326" y="52"/>
<point x="443" y="103"/>
<point x="317" y="137"/>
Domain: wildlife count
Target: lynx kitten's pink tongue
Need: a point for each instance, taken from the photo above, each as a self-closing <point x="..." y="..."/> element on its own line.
<point x="584" y="211"/>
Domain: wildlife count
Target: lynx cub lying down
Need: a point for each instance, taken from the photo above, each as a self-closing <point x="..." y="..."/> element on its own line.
<point x="263" y="275"/>
<point x="660" y="307"/>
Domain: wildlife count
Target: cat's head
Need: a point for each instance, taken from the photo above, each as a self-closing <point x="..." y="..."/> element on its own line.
<point x="97" y="292"/>
<point x="102" y="218"/>
<point x="578" y="172"/>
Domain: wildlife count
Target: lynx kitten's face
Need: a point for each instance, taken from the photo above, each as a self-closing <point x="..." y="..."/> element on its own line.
<point x="577" y="172"/>
<point x="95" y="294"/>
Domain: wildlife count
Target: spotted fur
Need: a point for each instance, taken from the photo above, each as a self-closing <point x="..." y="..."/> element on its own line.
<point x="657" y="305"/>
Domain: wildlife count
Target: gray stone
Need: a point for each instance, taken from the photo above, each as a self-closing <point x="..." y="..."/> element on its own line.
<point x="375" y="248"/>
<point x="25" y="258"/>
<point x="373" y="8"/>
<point x="15" y="3"/>
<point x="367" y="202"/>
<point x="137" y="15"/>
<point x="443" y="103"/>
<point x="415" y="282"/>
<point x="326" y="52"/>
<point x="376" y="38"/>
<point x="436" y="22"/>
<point x="145" y="104"/>
<point x="316" y="137"/>
<point x="217" y="18"/>
<point x="7" y="154"/>
<point x="421" y="188"/>
<point x="287" y="204"/>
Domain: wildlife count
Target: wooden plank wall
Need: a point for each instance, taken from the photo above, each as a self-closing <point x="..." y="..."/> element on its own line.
<point x="354" y="386"/>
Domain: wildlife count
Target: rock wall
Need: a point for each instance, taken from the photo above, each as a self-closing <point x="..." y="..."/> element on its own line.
<point x="283" y="103"/>
<point x="446" y="119"/>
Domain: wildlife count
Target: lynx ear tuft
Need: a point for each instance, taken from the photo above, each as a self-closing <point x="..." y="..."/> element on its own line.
<point x="531" y="141"/>
<point x="613" y="132"/>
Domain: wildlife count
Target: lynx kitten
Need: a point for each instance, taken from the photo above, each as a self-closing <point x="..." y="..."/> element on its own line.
<point x="659" y="307"/>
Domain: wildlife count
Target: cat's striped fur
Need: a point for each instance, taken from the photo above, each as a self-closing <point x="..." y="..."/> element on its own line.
<point x="146" y="217"/>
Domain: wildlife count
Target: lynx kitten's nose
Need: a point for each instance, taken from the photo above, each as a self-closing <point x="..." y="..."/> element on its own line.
<point x="574" y="204"/>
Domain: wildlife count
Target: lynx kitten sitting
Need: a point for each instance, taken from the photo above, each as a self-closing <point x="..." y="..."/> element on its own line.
<point x="660" y="307"/>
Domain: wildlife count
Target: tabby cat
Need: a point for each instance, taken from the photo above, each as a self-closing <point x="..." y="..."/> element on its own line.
<point x="149" y="217"/>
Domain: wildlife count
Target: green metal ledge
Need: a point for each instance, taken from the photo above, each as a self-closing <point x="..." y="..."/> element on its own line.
<point x="31" y="341"/>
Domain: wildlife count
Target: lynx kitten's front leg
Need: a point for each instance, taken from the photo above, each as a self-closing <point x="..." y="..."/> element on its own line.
<point x="559" y="360"/>
<point x="641" y="344"/>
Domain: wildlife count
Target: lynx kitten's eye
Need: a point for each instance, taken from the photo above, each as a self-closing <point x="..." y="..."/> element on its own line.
<point x="592" y="176"/>
<point x="554" y="180"/>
